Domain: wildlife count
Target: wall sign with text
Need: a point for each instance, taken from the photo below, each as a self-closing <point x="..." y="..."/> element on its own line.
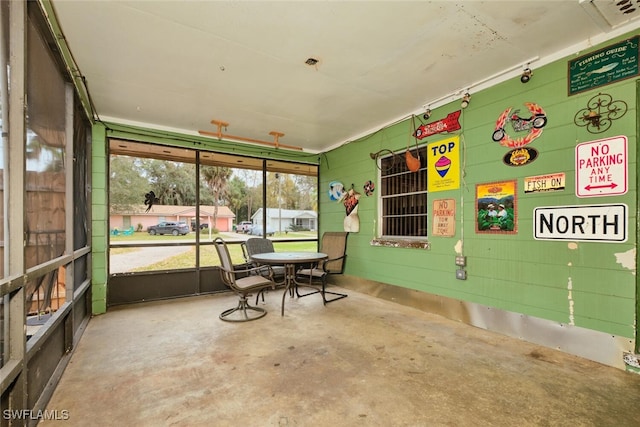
<point x="608" y="65"/>
<point x="443" y="164"/>
<point x="602" y="167"/>
<point x="595" y="223"/>
<point x="443" y="218"/>
<point x="543" y="183"/>
<point x="448" y="124"/>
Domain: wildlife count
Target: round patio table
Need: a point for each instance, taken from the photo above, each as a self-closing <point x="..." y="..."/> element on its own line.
<point x="289" y="260"/>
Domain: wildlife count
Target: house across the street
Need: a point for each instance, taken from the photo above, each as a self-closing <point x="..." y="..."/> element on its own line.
<point x="136" y="217"/>
<point x="282" y="219"/>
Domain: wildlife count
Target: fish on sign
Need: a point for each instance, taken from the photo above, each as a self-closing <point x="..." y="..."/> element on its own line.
<point x="539" y="183"/>
<point x="602" y="167"/>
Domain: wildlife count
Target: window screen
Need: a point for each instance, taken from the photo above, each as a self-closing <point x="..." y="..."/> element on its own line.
<point x="404" y="196"/>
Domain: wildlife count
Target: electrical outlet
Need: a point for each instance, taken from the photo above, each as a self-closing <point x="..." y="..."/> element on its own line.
<point x="461" y="274"/>
<point x="461" y="260"/>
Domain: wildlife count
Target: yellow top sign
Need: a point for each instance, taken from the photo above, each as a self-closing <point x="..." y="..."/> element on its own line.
<point x="443" y="164"/>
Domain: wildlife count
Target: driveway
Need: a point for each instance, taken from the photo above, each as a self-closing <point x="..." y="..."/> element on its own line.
<point x="141" y="257"/>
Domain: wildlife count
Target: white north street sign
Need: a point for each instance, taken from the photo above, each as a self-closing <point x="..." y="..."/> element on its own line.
<point x="601" y="167"/>
<point x="601" y="223"/>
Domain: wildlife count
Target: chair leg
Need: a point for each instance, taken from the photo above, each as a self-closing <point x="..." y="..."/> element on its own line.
<point x="261" y="292"/>
<point x="324" y="292"/>
<point x="244" y="308"/>
<point x="297" y="289"/>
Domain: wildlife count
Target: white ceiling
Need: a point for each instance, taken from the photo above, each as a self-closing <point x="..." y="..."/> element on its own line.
<point x="178" y="65"/>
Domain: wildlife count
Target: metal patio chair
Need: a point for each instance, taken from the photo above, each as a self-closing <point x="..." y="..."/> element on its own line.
<point x="257" y="245"/>
<point x="334" y="244"/>
<point x="243" y="282"/>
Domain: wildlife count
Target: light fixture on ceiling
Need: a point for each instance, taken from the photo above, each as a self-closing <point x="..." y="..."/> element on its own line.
<point x="465" y="100"/>
<point x="311" y="61"/>
<point x="219" y="135"/>
<point x="526" y="75"/>
<point x="427" y="114"/>
<point x="611" y="14"/>
<point x="626" y="7"/>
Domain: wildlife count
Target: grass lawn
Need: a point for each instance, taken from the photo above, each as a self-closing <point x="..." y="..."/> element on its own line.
<point x="144" y="236"/>
<point x="208" y="254"/>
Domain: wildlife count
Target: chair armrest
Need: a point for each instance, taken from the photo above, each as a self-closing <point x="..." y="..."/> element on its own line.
<point x="324" y="264"/>
<point x="246" y="270"/>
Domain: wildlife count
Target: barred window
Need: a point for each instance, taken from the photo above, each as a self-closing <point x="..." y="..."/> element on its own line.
<point x="404" y="196"/>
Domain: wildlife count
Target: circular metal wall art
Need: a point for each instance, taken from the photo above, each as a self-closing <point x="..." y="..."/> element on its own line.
<point x="600" y="112"/>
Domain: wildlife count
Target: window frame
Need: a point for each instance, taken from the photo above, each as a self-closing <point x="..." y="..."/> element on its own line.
<point x="397" y="169"/>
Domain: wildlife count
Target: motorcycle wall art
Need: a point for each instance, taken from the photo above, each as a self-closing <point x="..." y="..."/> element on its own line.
<point x="532" y="125"/>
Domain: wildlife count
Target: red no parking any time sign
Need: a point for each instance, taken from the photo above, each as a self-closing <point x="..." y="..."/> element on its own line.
<point x="601" y="167"/>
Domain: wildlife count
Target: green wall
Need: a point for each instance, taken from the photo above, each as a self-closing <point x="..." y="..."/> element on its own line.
<point x="579" y="283"/>
<point x="99" y="220"/>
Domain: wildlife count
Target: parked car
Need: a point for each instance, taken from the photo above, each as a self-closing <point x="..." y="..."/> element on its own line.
<point x="256" y="230"/>
<point x="167" y="227"/>
<point x="203" y="226"/>
<point x="244" y="227"/>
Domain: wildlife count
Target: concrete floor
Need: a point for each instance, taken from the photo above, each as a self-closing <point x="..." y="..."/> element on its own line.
<point x="360" y="361"/>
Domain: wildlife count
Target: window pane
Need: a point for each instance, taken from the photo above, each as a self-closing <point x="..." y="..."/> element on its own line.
<point x="45" y="156"/>
<point x="45" y="180"/>
<point x="152" y="202"/>
<point x="236" y="192"/>
<point x="82" y="157"/>
<point x="230" y="204"/>
<point x="292" y="203"/>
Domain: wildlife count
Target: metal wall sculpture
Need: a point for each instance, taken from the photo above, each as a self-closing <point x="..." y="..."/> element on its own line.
<point x="600" y="112"/>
